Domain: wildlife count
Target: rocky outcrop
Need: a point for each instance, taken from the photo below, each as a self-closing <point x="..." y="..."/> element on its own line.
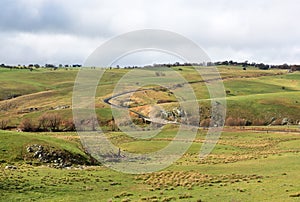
<point x="53" y="157"/>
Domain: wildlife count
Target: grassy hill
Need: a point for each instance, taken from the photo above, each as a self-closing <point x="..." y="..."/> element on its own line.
<point x="252" y="94"/>
<point x="14" y="147"/>
<point x="251" y="163"/>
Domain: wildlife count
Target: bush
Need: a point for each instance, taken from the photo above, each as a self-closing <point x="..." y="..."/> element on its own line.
<point x="69" y="125"/>
<point x="27" y="125"/>
<point x="43" y="122"/>
<point x="50" y="122"/>
<point x="230" y="121"/>
<point x="3" y="124"/>
<point x="205" y="123"/>
<point x="259" y="122"/>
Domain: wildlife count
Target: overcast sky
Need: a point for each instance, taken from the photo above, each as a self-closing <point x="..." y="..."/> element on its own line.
<point x="56" y="31"/>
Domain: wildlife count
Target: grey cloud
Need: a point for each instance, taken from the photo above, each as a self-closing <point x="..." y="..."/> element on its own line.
<point x="51" y="16"/>
<point x="245" y="30"/>
<point x="29" y="17"/>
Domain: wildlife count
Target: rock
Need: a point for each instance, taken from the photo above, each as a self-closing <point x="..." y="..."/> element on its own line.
<point x="68" y="168"/>
<point x="57" y="158"/>
<point x="36" y="154"/>
<point x="11" y="167"/>
<point x="285" y="121"/>
<point x="29" y="149"/>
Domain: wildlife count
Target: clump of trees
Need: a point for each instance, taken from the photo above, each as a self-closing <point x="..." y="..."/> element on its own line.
<point x="27" y="125"/>
<point x="31" y="67"/>
<point x="50" y="122"/>
<point x="47" y="122"/>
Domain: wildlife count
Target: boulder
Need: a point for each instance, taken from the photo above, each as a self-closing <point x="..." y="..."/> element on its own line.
<point x="285" y="121"/>
<point x="11" y="167"/>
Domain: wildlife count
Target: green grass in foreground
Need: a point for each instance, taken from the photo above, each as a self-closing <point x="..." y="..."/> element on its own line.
<point x="244" y="166"/>
<point x="13" y="145"/>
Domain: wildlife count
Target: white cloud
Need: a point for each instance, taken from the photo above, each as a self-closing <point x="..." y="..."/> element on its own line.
<point x="25" y="48"/>
<point x="65" y="31"/>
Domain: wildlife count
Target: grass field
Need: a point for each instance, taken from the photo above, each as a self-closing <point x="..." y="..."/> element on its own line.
<point x="249" y="163"/>
<point x="244" y="166"/>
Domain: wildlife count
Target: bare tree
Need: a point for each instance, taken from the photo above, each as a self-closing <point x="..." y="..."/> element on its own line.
<point x="69" y="125"/>
<point x="43" y="122"/>
<point x="54" y="121"/>
<point x="50" y="122"/>
<point x="3" y="124"/>
<point x="27" y="125"/>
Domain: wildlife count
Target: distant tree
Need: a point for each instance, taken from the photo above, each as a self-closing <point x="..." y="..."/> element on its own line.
<point x="225" y="63"/>
<point x="69" y="125"/>
<point x="50" y="122"/>
<point x="49" y="65"/>
<point x="245" y="64"/>
<point x="27" y="125"/>
<point x="285" y="66"/>
<point x="43" y="122"/>
<point x="3" y="124"/>
<point x="262" y="66"/>
<point x="54" y="121"/>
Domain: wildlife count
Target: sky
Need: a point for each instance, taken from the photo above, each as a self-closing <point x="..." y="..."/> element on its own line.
<point x="67" y="32"/>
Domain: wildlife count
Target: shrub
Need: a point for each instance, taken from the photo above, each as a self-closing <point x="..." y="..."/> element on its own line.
<point x="27" y="125"/>
<point x="69" y="125"/>
<point x="3" y="124"/>
<point x="43" y="122"/>
<point x="230" y="121"/>
<point x="205" y="123"/>
<point x="54" y="121"/>
<point x="259" y="122"/>
<point x="50" y="122"/>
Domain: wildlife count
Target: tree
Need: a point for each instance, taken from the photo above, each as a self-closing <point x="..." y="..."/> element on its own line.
<point x="54" y="122"/>
<point x="69" y="125"/>
<point x="3" y="124"/>
<point x="43" y="122"/>
<point x="27" y="125"/>
<point x="50" y="122"/>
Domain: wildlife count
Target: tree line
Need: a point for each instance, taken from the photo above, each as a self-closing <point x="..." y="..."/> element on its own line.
<point x="37" y="66"/>
<point x="245" y="64"/>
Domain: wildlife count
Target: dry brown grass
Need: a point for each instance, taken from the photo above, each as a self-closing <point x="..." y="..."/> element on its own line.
<point x="188" y="179"/>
